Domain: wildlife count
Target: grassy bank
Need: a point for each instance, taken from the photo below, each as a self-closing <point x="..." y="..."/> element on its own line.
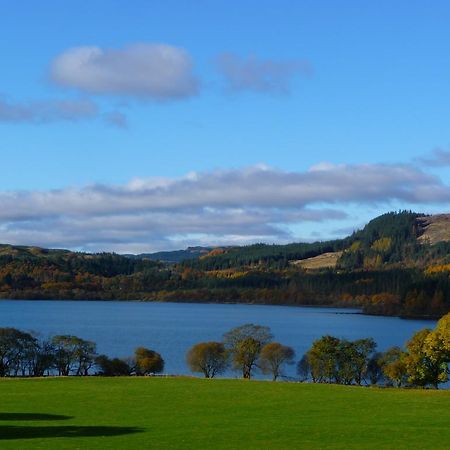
<point x="178" y="413"/>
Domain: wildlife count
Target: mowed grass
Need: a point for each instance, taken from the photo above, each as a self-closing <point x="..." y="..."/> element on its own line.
<point x="185" y="413"/>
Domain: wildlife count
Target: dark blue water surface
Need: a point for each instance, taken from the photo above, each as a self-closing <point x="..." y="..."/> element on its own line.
<point x="172" y="328"/>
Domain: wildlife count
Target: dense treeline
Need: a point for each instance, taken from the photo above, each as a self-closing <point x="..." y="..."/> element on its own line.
<point x="269" y="256"/>
<point x="246" y="349"/>
<point x="424" y="362"/>
<point x="23" y="354"/>
<point x="408" y="292"/>
<point x="382" y="268"/>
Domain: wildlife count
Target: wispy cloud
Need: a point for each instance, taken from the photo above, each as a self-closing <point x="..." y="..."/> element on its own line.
<point x="437" y="158"/>
<point x="145" y="71"/>
<point x="260" y="75"/>
<point x="116" y="119"/>
<point x="47" y="111"/>
<point x="242" y="205"/>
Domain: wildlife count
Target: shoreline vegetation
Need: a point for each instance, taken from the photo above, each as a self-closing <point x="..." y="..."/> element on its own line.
<point x="246" y="349"/>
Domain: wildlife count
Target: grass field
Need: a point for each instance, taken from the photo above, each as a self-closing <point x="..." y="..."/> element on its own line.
<point x="182" y="413"/>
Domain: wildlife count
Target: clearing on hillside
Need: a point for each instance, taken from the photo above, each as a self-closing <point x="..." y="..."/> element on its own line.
<point x="323" y="261"/>
<point x="435" y="228"/>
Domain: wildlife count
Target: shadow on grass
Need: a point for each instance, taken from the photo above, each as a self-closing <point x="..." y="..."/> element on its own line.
<point x="32" y="416"/>
<point x="72" y="431"/>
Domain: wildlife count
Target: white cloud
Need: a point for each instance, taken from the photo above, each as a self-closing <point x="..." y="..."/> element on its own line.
<point x="260" y="75"/>
<point x="244" y="205"/>
<point x="152" y="71"/>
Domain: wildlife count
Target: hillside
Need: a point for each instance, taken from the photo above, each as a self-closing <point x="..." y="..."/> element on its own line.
<point x="435" y="228"/>
<point x="398" y="264"/>
<point x="404" y="239"/>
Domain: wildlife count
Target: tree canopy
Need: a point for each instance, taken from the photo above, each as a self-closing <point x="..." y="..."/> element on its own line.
<point x="209" y="358"/>
<point x="245" y="344"/>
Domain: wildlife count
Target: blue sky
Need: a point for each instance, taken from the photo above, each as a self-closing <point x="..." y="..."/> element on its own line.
<point x="256" y="91"/>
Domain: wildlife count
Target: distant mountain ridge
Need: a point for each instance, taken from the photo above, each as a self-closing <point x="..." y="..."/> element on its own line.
<point x="392" y="238"/>
<point x="398" y="264"/>
<point x="427" y="229"/>
<point x="175" y="256"/>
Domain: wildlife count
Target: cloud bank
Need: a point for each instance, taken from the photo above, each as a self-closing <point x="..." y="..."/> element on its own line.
<point x="259" y="75"/>
<point x="232" y="206"/>
<point x="146" y="71"/>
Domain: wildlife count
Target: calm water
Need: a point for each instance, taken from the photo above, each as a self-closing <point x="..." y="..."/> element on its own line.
<point x="171" y="328"/>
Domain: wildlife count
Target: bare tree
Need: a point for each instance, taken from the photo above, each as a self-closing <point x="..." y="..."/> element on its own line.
<point x="273" y="357"/>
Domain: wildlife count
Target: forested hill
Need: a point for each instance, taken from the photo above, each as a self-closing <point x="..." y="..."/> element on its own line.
<point x="398" y="264"/>
<point x="394" y="239"/>
<point x="102" y="264"/>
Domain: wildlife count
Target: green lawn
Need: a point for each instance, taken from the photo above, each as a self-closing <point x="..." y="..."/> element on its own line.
<point x="181" y="413"/>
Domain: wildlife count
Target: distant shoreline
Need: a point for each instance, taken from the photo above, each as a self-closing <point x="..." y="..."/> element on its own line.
<point x="357" y="311"/>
